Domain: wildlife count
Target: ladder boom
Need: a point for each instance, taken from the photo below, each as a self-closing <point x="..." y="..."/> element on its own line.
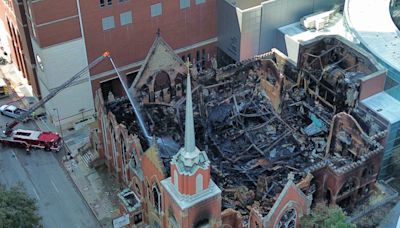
<point x="54" y="92"/>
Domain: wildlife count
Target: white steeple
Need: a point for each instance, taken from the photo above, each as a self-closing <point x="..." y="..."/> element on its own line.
<point x="190" y="153"/>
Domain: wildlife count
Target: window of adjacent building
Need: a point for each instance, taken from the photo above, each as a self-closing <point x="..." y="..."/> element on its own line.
<point x="126" y="18"/>
<point x="198" y="2"/>
<point x="108" y="23"/>
<point x="185" y="4"/>
<point x="109" y="2"/>
<point x="397" y="139"/>
<point x="156" y="10"/>
<point x="102" y="4"/>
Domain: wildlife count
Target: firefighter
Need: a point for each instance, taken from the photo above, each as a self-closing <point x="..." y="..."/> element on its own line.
<point x="28" y="150"/>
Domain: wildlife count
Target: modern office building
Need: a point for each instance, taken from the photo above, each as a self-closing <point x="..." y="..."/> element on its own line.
<point x="250" y="27"/>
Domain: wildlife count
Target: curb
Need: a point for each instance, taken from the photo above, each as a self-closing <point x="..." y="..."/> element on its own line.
<point x="67" y="174"/>
<point x="25" y="103"/>
<point x="78" y="191"/>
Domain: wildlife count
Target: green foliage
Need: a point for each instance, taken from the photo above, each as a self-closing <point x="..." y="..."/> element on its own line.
<point x="17" y="209"/>
<point x="323" y="216"/>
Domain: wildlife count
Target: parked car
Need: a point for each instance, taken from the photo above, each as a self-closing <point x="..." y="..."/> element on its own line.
<point x="13" y="112"/>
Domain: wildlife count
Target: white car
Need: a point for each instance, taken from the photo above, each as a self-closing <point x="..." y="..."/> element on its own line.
<point x="13" y="112"/>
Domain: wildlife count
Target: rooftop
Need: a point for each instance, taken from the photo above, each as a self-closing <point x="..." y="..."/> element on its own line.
<point x="371" y="22"/>
<point x="384" y="105"/>
<point x="246" y="4"/>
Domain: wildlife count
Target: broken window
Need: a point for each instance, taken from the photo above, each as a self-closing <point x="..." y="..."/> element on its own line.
<point x="137" y="188"/>
<point x="124" y="160"/>
<point x="129" y="199"/>
<point x="204" y="223"/>
<point x="132" y="161"/>
<point x="138" y="218"/>
<point x="114" y="148"/>
<point x="349" y="186"/>
<point x="288" y="220"/>
<point x="368" y="171"/>
<point x="157" y="198"/>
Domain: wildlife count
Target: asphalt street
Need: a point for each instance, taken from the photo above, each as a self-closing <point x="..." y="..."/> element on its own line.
<point x="60" y="205"/>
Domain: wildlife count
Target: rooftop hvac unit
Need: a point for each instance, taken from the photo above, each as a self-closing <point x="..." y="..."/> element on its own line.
<point x="316" y="20"/>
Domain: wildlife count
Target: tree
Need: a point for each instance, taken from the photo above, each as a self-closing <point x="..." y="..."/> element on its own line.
<point x="323" y="216"/>
<point x="17" y="209"/>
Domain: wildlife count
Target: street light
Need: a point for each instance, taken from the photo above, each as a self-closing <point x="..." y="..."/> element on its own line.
<point x="61" y="132"/>
<point x="59" y="121"/>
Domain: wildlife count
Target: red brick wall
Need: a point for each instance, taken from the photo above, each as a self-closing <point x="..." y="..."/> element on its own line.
<point x="326" y="179"/>
<point x="130" y="43"/>
<point x="58" y="32"/>
<point x="372" y="85"/>
<point x="297" y="201"/>
<point x="50" y="10"/>
<point x="187" y="184"/>
<point x="206" y="209"/>
<point x="56" y="21"/>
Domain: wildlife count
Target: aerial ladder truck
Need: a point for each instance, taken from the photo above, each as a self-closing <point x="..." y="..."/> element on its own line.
<point x="45" y="140"/>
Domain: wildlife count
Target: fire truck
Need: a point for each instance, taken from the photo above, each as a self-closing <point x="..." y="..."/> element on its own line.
<point x="45" y="140"/>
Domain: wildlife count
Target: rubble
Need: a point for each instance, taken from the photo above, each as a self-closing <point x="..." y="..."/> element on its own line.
<point x="260" y="120"/>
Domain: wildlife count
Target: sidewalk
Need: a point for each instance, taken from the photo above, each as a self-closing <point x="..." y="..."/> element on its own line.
<point x="97" y="187"/>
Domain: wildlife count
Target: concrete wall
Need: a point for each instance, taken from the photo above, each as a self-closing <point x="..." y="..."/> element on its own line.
<point x="250" y="36"/>
<point x="61" y="62"/>
<point x="229" y="29"/>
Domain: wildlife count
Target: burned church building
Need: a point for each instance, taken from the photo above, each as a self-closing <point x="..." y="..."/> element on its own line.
<point x="253" y="144"/>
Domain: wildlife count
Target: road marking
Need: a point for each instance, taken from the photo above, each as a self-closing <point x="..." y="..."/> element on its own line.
<point x="55" y="187"/>
<point x="15" y="156"/>
<point x="37" y="195"/>
<point x="33" y="187"/>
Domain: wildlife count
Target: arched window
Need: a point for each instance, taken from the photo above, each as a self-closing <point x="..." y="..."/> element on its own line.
<point x="328" y="197"/>
<point x="157" y="198"/>
<point x="368" y="171"/>
<point x="137" y="188"/>
<point x="349" y="186"/>
<point x="288" y="220"/>
<point x="199" y="183"/>
<point x="176" y="180"/>
<point x="114" y="148"/>
<point x="171" y="220"/>
<point x="132" y="161"/>
<point x="105" y="139"/>
<point x="124" y="159"/>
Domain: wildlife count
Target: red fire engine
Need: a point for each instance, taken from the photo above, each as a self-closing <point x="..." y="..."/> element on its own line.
<point x="45" y="140"/>
<point x="29" y="139"/>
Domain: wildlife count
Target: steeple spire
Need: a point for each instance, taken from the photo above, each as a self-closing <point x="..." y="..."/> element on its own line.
<point x="189" y="123"/>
